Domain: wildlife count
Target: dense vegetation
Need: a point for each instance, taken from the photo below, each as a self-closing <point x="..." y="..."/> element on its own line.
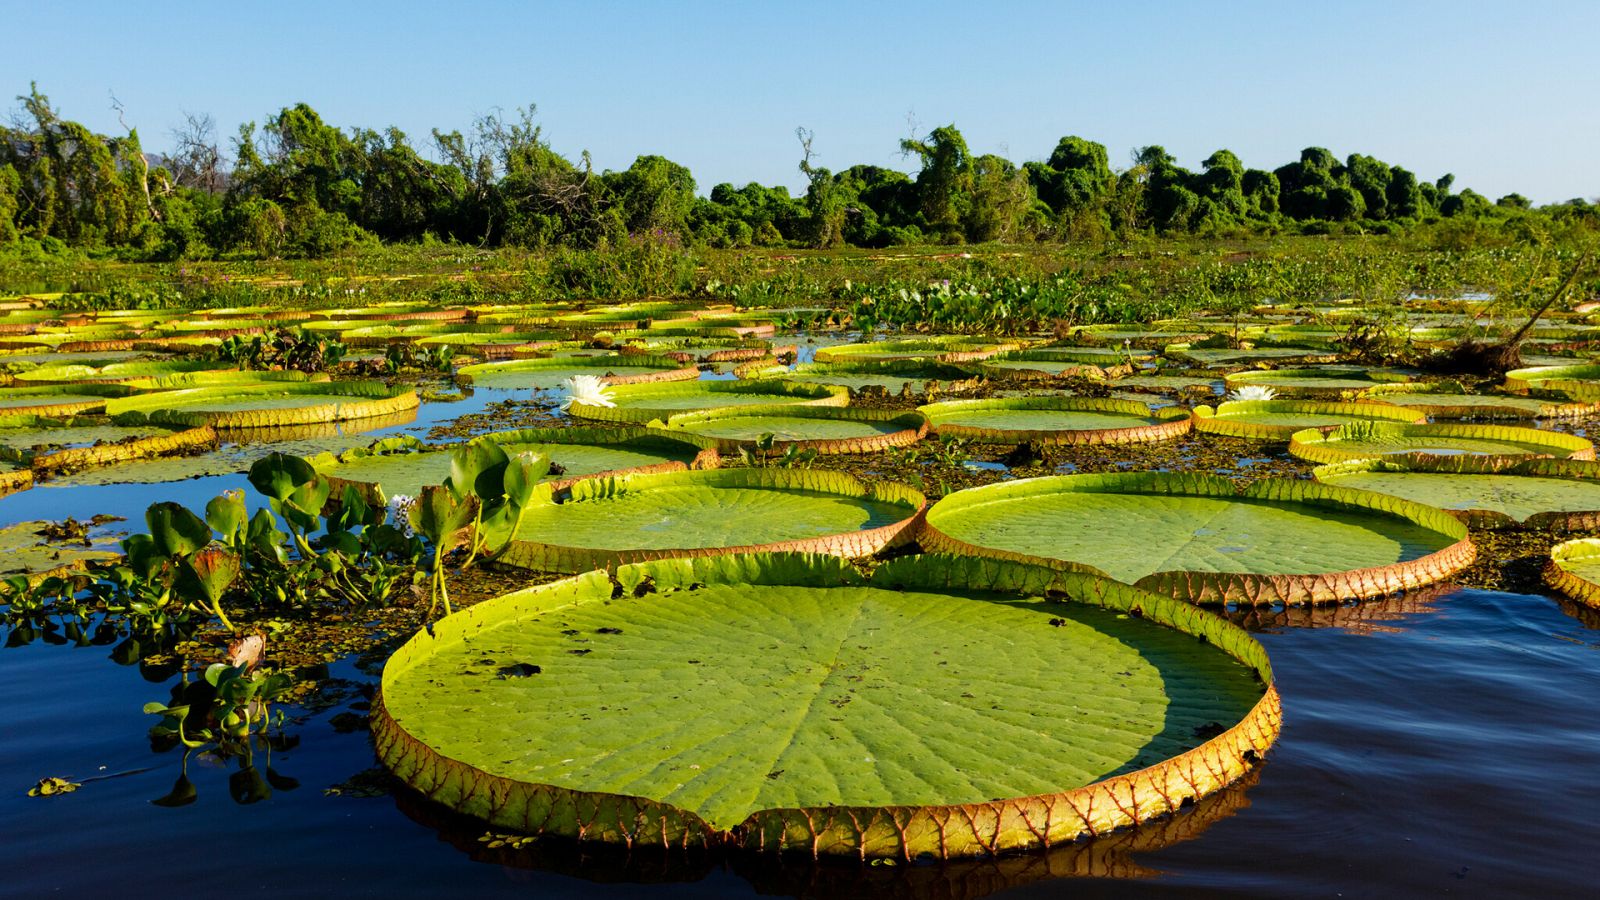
<point x="297" y="186"/>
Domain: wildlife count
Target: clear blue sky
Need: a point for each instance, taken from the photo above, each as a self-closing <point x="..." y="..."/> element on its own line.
<point x="1505" y="95"/>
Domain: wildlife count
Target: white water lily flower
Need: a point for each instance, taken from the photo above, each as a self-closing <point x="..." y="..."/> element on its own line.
<point x="400" y="513"/>
<point x="590" y="390"/>
<point x="1252" y="392"/>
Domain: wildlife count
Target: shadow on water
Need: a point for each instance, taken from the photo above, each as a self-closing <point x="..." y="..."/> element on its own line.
<point x="1587" y="615"/>
<point x="1356" y="617"/>
<point x="1106" y="857"/>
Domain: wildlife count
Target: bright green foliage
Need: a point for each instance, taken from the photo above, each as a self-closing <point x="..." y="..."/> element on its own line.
<point x="1087" y="519"/>
<point x="877" y="697"/>
<point x="1517" y="496"/>
<point x="683" y="513"/>
<point x="485" y="496"/>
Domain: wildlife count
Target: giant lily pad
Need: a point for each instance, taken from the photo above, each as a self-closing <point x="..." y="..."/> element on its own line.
<point x="640" y="403"/>
<point x="1574" y="570"/>
<point x="547" y="374"/>
<point x="24" y="551"/>
<point x="1580" y="382"/>
<point x="1055" y="420"/>
<point x="25" y="361"/>
<point x="406" y="466"/>
<point x="939" y="348"/>
<point x="1052" y="362"/>
<point x="21" y="437"/>
<point x="79" y="373"/>
<point x="1550" y="494"/>
<point x="1168" y="384"/>
<point x="1276" y="420"/>
<point x="1371" y="439"/>
<point x="266" y="405"/>
<point x="14" y="478"/>
<point x="56" y="400"/>
<point x="630" y="518"/>
<point x="1227" y="356"/>
<point x="1153" y="336"/>
<point x="777" y="702"/>
<point x="893" y="375"/>
<point x="240" y="448"/>
<point x="825" y="429"/>
<point x="1195" y="537"/>
<point x="51" y="446"/>
<point x="1439" y="402"/>
<point x="1330" y="382"/>
<point x="219" y="378"/>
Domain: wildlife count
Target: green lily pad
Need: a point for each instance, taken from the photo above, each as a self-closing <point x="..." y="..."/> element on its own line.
<point x="640" y="403"/>
<point x="933" y="348"/>
<point x="630" y="518"/>
<point x="240" y="449"/>
<point x="1051" y="419"/>
<point x="730" y="701"/>
<point x="579" y="452"/>
<point x="56" y="400"/>
<point x="1446" y="405"/>
<point x="826" y="429"/>
<point x="1193" y="536"/>
<point x="1277" y="420"/>
<point x="25" y="360"/>
<point x="1226" y="356"/>
<point x="1574" y="570"/>
<point x="1577" y="382"/>
<point x="1545" y="493"/>
<point x="1374" y="439"/>
<point x="1052" y="361"/>
<point x="266" y="405"/>
<point x="548" y="374"/>
<point x="1328" y="382"/>
<point x="1168" y="383"/>
<point x="894" y="376"/>
<point x="23" y="551"/>
<point x="118" y="371"/>
<point x="1137" y="335"/>
<point x="22" y="440"/>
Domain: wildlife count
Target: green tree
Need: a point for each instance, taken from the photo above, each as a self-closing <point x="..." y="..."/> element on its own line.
<point x="825" y="209"/>
<point x="1002" y="203"/>
<point x="653" y="194"/>
<point x="944" y="182"/>
<point x="1370" y="177"/>
<point x="1076" y="183"/>
<point x="1404" y="195"/>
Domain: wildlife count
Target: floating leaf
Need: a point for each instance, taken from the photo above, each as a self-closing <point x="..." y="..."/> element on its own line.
<point x="883" y="729"/>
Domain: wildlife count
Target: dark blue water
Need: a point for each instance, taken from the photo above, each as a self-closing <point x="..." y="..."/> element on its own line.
<point x="1445" y="743"/>
<point x="1440" y="745"/>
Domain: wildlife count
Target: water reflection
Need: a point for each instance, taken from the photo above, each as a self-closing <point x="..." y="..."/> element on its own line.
<point x="1111" y="856"/>
<point x="1356" y="617"/>
<point x="316" y="431"/>
<point x="1585" y="614"/>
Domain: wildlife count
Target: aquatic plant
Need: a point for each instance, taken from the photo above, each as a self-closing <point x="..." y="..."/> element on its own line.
<point x="590" y="390"/>
<point x="480" y="506"/>
<point x="1252" y="392"/>
<point x="300" y="351"/>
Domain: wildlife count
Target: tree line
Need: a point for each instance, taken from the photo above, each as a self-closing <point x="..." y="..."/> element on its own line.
<point x="297" y="186"/>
